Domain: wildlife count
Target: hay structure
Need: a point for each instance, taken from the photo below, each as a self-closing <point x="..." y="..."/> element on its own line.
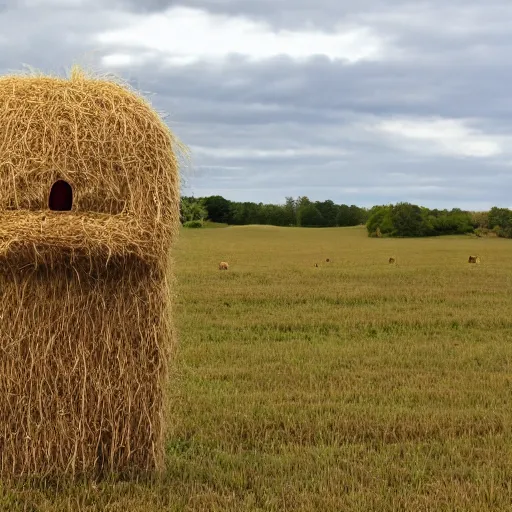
<point x="85" y="333"/>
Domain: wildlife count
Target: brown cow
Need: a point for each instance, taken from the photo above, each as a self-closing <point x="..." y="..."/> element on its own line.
<point x="474" y="259"/>
<point x="223" y="265"/>
<point x="392" y="260"/>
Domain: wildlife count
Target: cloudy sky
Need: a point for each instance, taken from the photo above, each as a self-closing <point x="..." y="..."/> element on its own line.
<point x="366" y="102"/>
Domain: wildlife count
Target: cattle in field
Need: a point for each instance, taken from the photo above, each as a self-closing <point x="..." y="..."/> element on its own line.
<point x="392" y="260"/>
<point x="223" y="265"/>
<point x="474" y="259"/>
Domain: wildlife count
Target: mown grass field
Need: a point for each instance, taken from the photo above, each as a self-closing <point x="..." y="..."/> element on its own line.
<point x="354" y="386"/>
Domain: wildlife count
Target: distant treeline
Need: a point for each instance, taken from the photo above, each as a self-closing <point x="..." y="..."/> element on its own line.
<point x="410" y="220"/>
<point x="399" y="220"/>
<point x="294" y="212"/>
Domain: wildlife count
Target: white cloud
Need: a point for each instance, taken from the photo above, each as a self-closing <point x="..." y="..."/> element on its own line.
<point x="184" y="36"/>
<point x="126" y="59"/>
<point x="253" y="153"/>
<point x="56" y="3"/>
<point x="451" y="137"/>
<point x="221" y="167"/>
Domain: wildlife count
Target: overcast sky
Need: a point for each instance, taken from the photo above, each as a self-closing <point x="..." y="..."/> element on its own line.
<point x="365" y="102"/>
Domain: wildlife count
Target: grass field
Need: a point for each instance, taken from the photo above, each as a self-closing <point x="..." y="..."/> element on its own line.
<point x="357" y="385"/>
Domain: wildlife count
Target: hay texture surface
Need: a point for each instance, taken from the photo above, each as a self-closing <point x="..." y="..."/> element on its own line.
<point x="85" y="328"/>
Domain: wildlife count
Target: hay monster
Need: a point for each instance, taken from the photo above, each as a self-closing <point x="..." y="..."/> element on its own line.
<point x="89" y="209"/>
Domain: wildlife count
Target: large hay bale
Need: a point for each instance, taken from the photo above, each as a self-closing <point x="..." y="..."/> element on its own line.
<point x="85" y="333"/>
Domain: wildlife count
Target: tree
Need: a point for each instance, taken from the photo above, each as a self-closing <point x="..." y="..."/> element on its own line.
<point x="192" y="209"/>
<point x="274" y="215"/>
<point x="407" y="220"/>
<point x="501" y="217"/>
<point x="351" y="215"/>
<point x="237" y="213"/>
<point x="380" y="219"/>
<point x="310" y="216"/>
<point x="290" y="208"/>
<point x="480" y="219"/>
<point x="364" y="215"/>
<point x="500" y="221"/>
<point x="246" y="213"/>
<point x="301" y="202"/>
<point x="343" y="217"/>
<point x="329" y="212"/>
<point x="219" y="209"/>
<point x="355" y="215"/>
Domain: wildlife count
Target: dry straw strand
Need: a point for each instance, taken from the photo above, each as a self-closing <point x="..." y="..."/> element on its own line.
<point x="86" y="332"/>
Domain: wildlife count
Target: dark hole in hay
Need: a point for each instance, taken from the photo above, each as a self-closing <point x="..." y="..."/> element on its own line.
<point x="61" y="196"/>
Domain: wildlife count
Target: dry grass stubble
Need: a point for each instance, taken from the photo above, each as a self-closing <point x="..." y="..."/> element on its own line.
<point x="357" y="385"/>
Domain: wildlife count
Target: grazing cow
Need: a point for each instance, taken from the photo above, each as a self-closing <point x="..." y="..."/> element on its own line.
<point x="474" y="259"/>
<point x="223" y="265"/>
<point x="392" y="260"/>
<point x="327" y="260"/>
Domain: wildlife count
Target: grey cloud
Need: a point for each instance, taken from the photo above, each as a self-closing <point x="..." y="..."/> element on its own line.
<point x="323" y="90"/>
<point x="220" y="123"/>
<point x="327" y="14"/>
<point x="281" y="104"/>
<point x="48" y="38"/>
<point x="278" y="13"/>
